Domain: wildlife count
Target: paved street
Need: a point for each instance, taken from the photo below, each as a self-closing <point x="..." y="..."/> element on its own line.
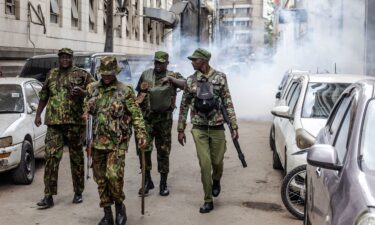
<point x="249" y="196"/>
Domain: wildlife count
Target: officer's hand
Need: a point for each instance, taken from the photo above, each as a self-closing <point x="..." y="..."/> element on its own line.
<point x="165" y="79"/>
<point x="38" y="120"/>
<point x="142" y="143"/>
<point x="78" y="91"/>
<point x="181" y="138"/>
<point x="85" y="116"/>
<point x="235" y="134"/>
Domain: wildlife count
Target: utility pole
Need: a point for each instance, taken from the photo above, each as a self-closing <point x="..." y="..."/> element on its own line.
<point x="108" y="45"/>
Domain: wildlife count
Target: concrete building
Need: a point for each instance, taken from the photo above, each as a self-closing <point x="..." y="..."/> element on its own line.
<point x="241" y="23"/>
<point x="44" y="26"/>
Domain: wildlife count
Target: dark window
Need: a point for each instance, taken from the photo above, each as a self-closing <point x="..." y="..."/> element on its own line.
<point x="54" y="11"/>
<point x="10" y="7"/>
<point x="341" y="142"/>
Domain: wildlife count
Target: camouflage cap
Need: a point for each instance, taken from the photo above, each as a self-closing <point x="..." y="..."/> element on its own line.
<point x="200" y="53"/>
<point x="161" y="56"/>
<point x="108" y="66"/>
<point x="67" y="51"/>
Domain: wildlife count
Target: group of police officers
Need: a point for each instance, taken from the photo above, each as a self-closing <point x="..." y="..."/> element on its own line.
<point x="70" y="95"/>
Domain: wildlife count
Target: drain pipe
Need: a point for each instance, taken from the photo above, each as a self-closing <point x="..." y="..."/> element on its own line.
<point x="29" y="28"/>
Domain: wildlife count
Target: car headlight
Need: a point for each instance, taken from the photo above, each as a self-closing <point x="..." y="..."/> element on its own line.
<point x="6" y="142"/>
<point x="367" y="218"/>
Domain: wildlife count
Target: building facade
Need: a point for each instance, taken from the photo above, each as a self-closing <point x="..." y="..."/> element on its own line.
<point x="241" y="23"/>
<point x="44" y="26"/>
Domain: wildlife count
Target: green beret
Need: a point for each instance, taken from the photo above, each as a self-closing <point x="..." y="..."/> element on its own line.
<point x="200" y="53"/>
<point x="161" y="56"/>
<point x="67" y="51"/>
<point x="108" y="66"/>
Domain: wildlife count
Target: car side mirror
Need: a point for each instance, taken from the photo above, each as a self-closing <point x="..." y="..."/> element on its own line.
<point x="323" y="156"/>
<point x="278" y="95"/>
<point x="304" y="139"/>
<point x="281" y="111"/>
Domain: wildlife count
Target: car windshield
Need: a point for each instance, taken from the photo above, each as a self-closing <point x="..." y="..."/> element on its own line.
<point x="320" y="98"/>
<point x="368" y="134"/>
<point x="11" y="98"/>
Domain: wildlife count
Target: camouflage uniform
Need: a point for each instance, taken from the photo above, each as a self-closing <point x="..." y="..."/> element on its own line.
<point x="65" y="124"/>
<point x="208" y="133"/>
<point x="115" y="110"/>
<point x="158" y="125"/>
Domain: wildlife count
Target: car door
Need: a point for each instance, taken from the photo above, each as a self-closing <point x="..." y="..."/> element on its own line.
<point x="31" y="93"/>
<point x="287" y="131"/>
<point x="324" y="182"/>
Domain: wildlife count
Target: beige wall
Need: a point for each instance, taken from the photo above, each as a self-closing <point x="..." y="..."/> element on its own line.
<point x="14" y="29"/>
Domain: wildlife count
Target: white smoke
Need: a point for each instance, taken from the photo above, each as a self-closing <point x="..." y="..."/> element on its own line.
<point x="331" y="37"/>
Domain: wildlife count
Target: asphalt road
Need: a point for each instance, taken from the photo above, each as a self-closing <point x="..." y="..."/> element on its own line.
<point x="249" y="196"/>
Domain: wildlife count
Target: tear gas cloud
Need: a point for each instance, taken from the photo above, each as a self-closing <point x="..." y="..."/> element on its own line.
<point x="328" y="38"/>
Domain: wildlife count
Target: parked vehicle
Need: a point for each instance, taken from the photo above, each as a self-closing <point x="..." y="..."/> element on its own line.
<point x="284" y="84"/>
<point x="304" y="110"/>
<point x="38" y="66"/>
<point x="340" y="177"/>
<point x="20" y="139"/>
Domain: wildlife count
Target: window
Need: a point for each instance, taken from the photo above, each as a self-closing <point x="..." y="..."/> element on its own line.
<point x="293" y="100"/>
<point x="342" y="138"/>
<point x="75" y="17"/>
<point x="54" y="11"/>
<point x="368" y="134"/>
<point x="320" y="99"/>
<point x="290" y="92"/>
<point x="10" y="7"/>
<point x="338" y="114"/>
<point x="31" y="96"/>
<point x="92" y="17"/>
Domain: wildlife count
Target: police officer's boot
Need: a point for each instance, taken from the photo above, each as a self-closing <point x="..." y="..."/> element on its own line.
<point x="120" y="213"/>
<point x="216" y="188"/>
<point x="108" y="217"/>
<point x="163" y="184"/>
<point x="148" y="183"/>
<point x="46" y="202"/>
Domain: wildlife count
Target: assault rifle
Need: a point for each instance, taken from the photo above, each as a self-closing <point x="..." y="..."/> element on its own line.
<point x="235" y="141"/>
<point x="89" y="137"/>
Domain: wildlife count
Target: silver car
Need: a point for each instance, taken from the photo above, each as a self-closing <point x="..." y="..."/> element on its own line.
<point x="340" y="176"/>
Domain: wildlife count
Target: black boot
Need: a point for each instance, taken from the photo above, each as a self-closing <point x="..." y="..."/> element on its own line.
<point x="206" y="207"/>
<point x="46" y="202"/>
<point x="108" y="217"/>
<point x="120" y="214"/>
<point x="77" y="198"/>
<point x="148" y="183"/>
<point x="163" y="184"/>
<point x="216" y="188"/>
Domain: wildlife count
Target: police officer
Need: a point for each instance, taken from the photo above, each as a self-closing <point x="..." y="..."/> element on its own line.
<point x="158" y="122"/>
<point x="114" y="109"/>
<point x="63" y="93"/>
<point x="208" y="128"/>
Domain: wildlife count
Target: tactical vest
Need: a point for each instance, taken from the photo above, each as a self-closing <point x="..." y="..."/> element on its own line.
<point x="205" y="102"/>
<point x="161" y="98"/>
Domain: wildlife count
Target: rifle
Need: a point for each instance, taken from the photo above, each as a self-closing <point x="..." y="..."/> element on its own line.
<point x="89" y="137"/>
<point x="143" y="181"/>
<point x="235" y="141"/>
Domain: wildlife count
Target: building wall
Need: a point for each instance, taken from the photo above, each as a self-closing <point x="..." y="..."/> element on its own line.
<point x="242" y="24"/>
<point x="133" y="34"/>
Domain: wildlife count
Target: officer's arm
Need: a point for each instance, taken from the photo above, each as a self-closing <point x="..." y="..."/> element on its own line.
<point x="135" y="114"/>
<point x="228" y="103"/>
<point x="179" y="81"/>
<point x="184" y="109"/>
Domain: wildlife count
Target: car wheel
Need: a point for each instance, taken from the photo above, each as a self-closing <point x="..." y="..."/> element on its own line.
<point x="24" y="173"/>
<point x="272" y="138"/>
<point x="293" y="191"/>
<point x="276" y="161"/>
